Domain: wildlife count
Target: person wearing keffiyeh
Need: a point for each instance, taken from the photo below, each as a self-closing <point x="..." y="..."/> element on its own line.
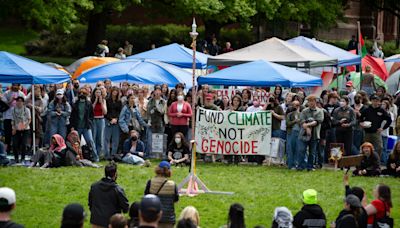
<point x="74" y="155"/>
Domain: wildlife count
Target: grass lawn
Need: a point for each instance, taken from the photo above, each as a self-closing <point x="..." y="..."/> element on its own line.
<point x="42" y="194"/>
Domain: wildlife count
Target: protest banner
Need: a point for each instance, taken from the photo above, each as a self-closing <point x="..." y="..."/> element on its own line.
<point x="233" y="133"/>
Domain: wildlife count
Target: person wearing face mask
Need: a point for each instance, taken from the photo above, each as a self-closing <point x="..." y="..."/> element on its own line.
<point x="358" y="132"/>
<point x="370" y="165"/>
<point x="133" y="150"/>
<point x="59" y="112"/>
<point x="82" y="120"/>
<point x="178" y="150"/>
<point x="179" y="114"/>
<point x="344" y="118"/>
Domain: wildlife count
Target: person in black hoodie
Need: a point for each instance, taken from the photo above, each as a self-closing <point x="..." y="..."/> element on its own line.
<point x="352" y="215"/>
<point x="311" y="214"/>
<point x="106" y="198"/>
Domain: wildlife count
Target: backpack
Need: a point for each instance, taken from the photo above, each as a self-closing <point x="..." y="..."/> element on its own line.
<point x="100" y="49"/>
<point x="87" y="152"/>
<point x="384" y="222"/>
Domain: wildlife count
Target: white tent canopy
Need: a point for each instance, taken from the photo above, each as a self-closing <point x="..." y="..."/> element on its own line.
<point x="277" y="51"/>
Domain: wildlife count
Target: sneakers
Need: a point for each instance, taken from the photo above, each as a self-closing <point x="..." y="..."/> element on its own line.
<point x="147" y="163"/>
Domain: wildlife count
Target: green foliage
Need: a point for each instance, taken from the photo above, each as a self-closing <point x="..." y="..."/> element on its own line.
<point x="42" y="194"/>
<point x="12" y="39"/>
<point x="389" y="48"/>
<point x="71" y="44"/>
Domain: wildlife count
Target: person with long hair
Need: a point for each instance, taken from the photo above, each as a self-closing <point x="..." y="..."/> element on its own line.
<point x="179" y="114"/>
<point x="370" y="165"/>
<point x="225" y="104"/>
<point x="358" y="132"/>
<point x="21" y="119"/>
<point x="112" y="131"/>
<point x="278" y="93"/>
<point x="165" y="91"/>
<point x="172" y="97"/>
<point x="74" y="154"/>
<point x="237" y="104"/>
<point x="293" y="129"/>
<point x="59" y="112"/>
<point x="99" y="111"/>
<point x="142" y="102"/>
<point x="393" y="162"/>
<point x="192" y="214"/>
<point x="167" y="191"/>
<point x="343" y="119"/>
<point x="352" y="215"/>
<point x="178" y="150"/>
<point x="246" y="98"/>
<point x="381" y="205"/>
<point x="236" y="216"/>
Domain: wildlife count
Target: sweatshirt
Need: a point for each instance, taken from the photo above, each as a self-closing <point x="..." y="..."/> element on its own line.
<point x="376" y="116"/>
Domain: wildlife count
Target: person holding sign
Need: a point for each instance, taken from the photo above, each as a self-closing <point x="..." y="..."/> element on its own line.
<point x="179" y="114"/>
<point x="277" y="116"/>
<point x="178" y="150"/>
<point x="310" y="120"/>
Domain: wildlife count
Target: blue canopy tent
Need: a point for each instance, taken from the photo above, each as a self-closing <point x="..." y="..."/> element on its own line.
<point x="174" y="54"/>
<point x="393" y="59"/>
<point x="138" y="71"/>
<point x="17" y="69"/>
<point x="345" y="58"/>
<point x="260" y="73"/>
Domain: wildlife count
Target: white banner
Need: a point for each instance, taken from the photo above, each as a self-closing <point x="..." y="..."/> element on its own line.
<point x="233" y="133"/>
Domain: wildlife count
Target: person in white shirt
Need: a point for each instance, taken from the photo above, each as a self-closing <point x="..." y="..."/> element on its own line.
<point x="255" y="107"/>
<point x="120" y="54"/>
<point x="351" y="92"/>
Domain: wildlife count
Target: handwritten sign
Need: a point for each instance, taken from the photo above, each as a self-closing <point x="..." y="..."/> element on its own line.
<point x="233" y="133"/>
<point x="262" y="95"/>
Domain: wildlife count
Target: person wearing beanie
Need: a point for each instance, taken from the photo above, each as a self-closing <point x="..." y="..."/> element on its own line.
<point x="7" y="205"/>
<point x="353" y="214"/>
<point x="311" y="214"/>
<point x="73" y="216"/>
<point x="167" y="191"/>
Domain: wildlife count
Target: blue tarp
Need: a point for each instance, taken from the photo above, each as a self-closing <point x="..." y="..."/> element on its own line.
<point x="345" y="58"/>
<point x="18" y="69"/>
<point x="393" y="59"/>
<point x="148" y="72"/>
<point x="174" y="54"/>
<point x="260" y="73"/>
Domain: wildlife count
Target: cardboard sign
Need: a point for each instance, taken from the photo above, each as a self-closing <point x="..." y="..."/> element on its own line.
<point x="233" y="133"/>
<point x="157" y="145"/>
<point x="261" y="95"/>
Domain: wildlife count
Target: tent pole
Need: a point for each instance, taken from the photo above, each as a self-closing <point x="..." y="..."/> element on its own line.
<point x="33" y="119"/>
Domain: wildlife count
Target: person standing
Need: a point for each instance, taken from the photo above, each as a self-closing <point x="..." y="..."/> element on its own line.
<point x="99" y="111"/>
<point x="106" y="198"/>
<point x="375" y="114"/>
<point x="9" y="97"/>
<point x="351" y="92"/>
<point x="8" y="203"/>
<point x="368" y="82"/>
<point x="59" y="113"/>
<point x="82" y="120"/>
<point x="112" y="130"/>
<point x="128" y="48"/>
<point x="353" y="44"/>
<point x="156" y="110"/>
<point x="21" y="119"/>
<point x="310" y="121"/>
<point x="167" y="191"/>
<point x="358" y="132"/>
<point x="292" y="128"/>
<point x="344" y="119"/>
<point x="179" y="114"/>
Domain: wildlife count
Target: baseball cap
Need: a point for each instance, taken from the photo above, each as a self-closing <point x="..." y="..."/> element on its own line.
<point x="164" y="164"/>
<point x="209" y="96"/>
<point x="73" y="214"/>
<point x="310" y="196"/>
<point x="349" y="84"/>
<point x="150" y="206"/>
<point x="60" y="91"/>
<point x="353" y="201"/>
<point x="7" y="196"/>
<point x="374" y="97"/>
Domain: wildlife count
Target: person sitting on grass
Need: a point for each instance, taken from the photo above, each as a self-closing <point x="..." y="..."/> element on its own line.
<point x="74" y="152"/>
<point x="352" y="215"/>
<point x="393" y="163"/>
<point x="54" y="157"/>
<point x="166" y="190"/>
<point x="381" y="205"/>
<point x="186" y="223"/>
<point x="235" y="217"/>
<point x="134" y="215"/>
<point x="133" y="150"/>
<point x="311" y="214"/>
<point x="283" y="218"/>
<point x="190" y="213"/>
<point x="73" y="216"/>
<point x="7" y="205"/>
<point x="360" y="193"/>
<point x="118" y="221"/>
<point x="150" y="211"/>
<point x="370" y="165"/>
<point x="178" y="150"/>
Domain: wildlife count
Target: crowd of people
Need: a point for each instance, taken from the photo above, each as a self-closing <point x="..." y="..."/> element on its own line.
<point x="117" y="123"/>
<point x="107" y="203"/>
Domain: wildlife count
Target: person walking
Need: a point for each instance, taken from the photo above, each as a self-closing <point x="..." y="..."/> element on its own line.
<point x="106" y="198"/>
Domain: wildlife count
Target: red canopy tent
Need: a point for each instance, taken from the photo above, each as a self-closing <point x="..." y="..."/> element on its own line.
<point x="377" y="65"/>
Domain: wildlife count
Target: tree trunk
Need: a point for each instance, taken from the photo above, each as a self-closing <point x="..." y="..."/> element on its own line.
<point x="96" y="31"/>
<point x="212" y="29"/>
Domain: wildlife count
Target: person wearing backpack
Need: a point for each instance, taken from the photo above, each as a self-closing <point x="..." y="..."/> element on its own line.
<point x="379" y="209"/>
<point x="102" y="49"/>
<point x="167" y="191"/>
<point x="352" y="216"/>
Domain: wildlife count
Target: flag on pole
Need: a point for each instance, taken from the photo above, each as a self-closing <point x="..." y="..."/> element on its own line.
<point x="362" y="51"/>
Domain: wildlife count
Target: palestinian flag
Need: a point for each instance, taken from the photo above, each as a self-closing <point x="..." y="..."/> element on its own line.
<point x="362" y="50"/>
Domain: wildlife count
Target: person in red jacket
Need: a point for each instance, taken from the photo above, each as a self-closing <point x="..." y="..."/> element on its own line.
<point x="179" y="114"/>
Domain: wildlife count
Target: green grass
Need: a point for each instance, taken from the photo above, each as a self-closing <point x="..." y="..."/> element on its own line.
<point x="13" y="39"/>
<point x="42" y="194"/>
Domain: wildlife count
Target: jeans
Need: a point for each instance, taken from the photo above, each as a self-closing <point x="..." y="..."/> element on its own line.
<point x="385" y="152"/>
<point x="304" y="160"/>
<point x="283" y="135"/>
<point x="321" y="153"/>
<point x="276" y="133"/>
<point x="146" y="138"/>
<point x="98" y="133"/>
<point x="20" y="140"/>
<point x="132" y="159"/>
<point x="3" y="155"/>
<point x="87" y="134"/>
<point x="111" y="133"/>
<point x="358" y="136"/>
<point x="291" y="148"/>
